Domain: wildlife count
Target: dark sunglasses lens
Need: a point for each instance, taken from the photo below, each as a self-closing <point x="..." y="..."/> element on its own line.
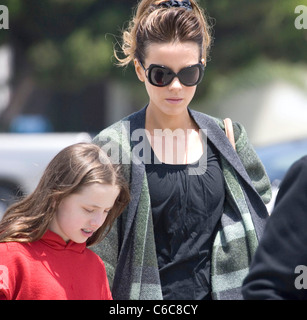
<point x="160" y="76"/>
<point x="190" y="76"/>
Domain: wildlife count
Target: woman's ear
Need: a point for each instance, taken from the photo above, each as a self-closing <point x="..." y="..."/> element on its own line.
<point x="139" y="70"/>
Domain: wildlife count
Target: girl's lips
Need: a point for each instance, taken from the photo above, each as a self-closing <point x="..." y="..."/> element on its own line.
<point x="87" y="233"/>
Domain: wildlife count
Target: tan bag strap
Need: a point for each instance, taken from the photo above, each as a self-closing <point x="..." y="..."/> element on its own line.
<point x="229" y="132"/>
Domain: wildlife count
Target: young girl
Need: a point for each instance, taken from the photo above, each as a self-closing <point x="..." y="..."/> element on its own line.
<point x="43" y="238"/>
<point x="197" y="207"/>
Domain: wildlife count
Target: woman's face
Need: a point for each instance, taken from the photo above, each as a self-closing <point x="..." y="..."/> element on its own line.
<point x="174" y="98"/>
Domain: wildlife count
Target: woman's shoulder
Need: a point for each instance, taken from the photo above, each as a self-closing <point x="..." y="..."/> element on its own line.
<point x="120" y="131"/>
<point x="138" y="116"/>
<point x="201" y="115"/>
<point x="118" y="127"/>
<point x="213" y="121"/>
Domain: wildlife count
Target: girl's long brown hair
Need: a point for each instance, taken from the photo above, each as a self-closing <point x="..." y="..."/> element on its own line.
<point x="70" y="170"/>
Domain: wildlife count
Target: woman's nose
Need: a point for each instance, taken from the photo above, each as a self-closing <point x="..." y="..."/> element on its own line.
<point x="175" y="84"/>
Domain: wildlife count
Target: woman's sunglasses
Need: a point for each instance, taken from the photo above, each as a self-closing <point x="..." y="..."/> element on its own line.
<point x="161" y="76"/>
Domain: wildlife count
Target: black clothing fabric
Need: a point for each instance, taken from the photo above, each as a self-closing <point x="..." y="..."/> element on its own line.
<point x="279" y="268"/>
<point x="186" y="209"/>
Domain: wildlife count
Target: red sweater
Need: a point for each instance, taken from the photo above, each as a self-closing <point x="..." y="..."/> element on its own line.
<point x="51" y="269"/>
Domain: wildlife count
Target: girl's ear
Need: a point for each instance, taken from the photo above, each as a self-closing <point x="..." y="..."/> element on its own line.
<point x="53" y="204"/>
<point x="139" y="70"/>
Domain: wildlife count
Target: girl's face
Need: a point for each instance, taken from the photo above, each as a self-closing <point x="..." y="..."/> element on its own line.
<point x="80" y="214"/>
<point x="174" y="98"/>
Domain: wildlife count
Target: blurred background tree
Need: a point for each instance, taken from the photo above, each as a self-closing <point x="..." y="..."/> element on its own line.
<point x="63" y="64"/>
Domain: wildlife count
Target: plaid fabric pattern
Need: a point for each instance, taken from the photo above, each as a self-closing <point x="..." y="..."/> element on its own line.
<point x="235" y="242"/>
<point x="129" y="251"/>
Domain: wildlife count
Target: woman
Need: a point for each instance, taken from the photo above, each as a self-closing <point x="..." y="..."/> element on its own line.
<point x="195" y="216"/>
<point x="43" y="238"/>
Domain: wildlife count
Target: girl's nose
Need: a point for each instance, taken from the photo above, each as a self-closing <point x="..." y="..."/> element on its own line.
<point x="98" y="219"/>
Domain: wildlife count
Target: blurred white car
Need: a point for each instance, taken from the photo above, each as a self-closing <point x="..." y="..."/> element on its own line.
<point x="24" y="157"/>
<point x="278" y="158"/>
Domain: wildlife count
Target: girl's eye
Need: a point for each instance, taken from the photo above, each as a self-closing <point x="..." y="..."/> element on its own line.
<point x="89" y="210"/>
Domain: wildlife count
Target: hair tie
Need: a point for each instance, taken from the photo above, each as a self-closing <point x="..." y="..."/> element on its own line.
<point x="179" y="4"/>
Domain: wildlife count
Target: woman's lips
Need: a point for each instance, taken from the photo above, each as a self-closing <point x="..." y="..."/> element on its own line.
<point x="174" y="100"/>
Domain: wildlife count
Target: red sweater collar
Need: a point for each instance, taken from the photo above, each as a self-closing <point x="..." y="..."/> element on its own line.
<point x="56" y="242"/>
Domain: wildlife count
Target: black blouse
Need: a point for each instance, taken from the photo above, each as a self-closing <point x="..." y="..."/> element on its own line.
<point x="186" y="209"/>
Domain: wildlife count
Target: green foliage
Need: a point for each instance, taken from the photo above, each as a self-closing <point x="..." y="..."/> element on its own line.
<point x="69" y="43"/>
<point x="247" y="29"/>
<point x="81" y="58"/>
<point x="260" y="72"/>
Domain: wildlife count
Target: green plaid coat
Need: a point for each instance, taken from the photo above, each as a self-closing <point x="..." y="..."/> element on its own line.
<point x="129" y="252"/>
